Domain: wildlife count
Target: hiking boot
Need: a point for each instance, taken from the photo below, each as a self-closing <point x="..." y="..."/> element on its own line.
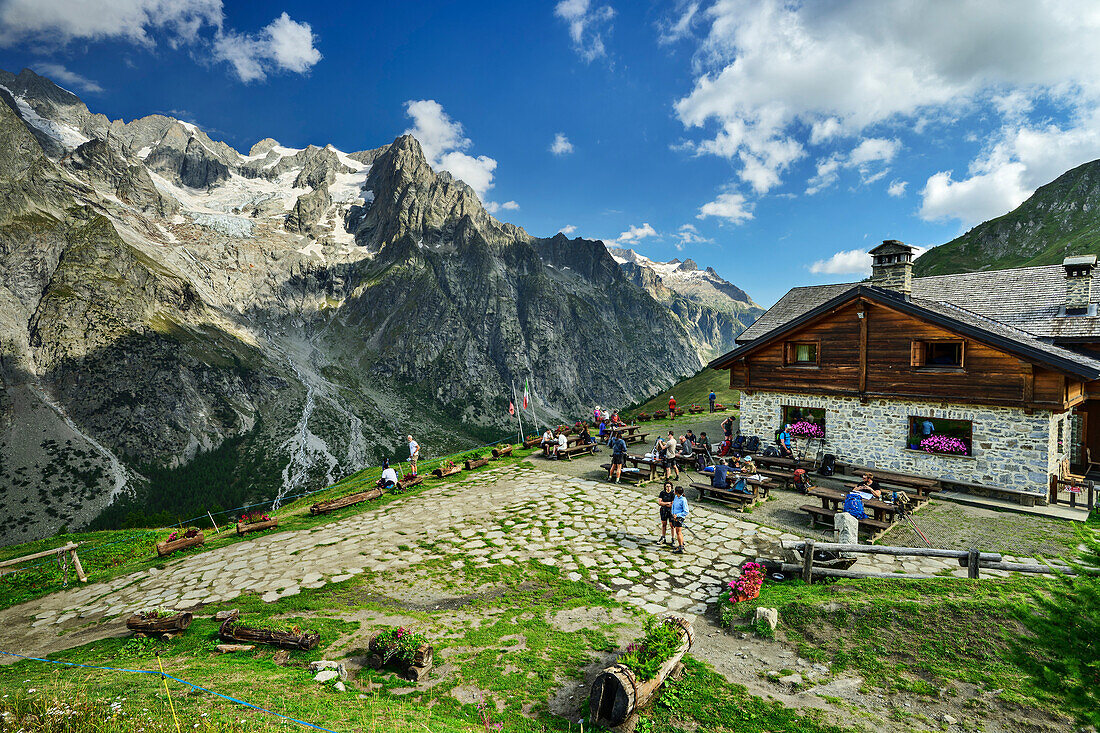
<point x="679" y="551"/>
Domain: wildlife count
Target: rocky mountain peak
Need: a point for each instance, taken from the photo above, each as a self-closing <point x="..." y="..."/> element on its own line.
<point x="689" y="265"/>
<point x="262" y="147"/>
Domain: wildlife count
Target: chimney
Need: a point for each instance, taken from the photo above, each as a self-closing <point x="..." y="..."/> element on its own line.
<point x="892" y="267"/>
<point x="1079" y="285"/>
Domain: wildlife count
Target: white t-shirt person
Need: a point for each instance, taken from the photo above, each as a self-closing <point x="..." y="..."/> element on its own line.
<point x="390" y="475"/>
<point x="414" y="452"/>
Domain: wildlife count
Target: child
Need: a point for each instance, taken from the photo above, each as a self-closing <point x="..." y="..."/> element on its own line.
<point x="679" y="516"/>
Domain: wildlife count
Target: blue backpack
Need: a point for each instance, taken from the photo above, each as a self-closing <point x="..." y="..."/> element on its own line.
<point x="853" y="504"/>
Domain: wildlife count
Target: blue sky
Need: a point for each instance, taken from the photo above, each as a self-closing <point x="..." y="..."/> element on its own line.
<point x="774" y="141"/>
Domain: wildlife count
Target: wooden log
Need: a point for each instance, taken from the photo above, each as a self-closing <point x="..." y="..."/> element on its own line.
<point x="791" y="567"/>
<point x="889" y="550"/>
<point x="232" y="648"/>
<point x="382" y="653"/>
<point x="155" y="625"/>
<point x="808" y="562"/>
<point x="324" y="507"/>
<point x="78" y="567"/>
<point x="1018" y="567"/>
<point x="617" y="693"/>
<point x="972" y="563"/>
<point x="531" y="441"/>
<point x="442" y="472"/>
<point x="246" y="527"/>
<point x="500" y="452"/>
<point x="225" y="615"/>
<point x="231" y="631"/>
<point x="417" y="672"/>
<point x="476" y="463"/>
<point x="167" y="548"/>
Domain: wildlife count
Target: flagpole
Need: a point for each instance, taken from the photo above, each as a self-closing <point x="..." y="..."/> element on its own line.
<point x="533" y="413"/>
<point x="518" y="418"/>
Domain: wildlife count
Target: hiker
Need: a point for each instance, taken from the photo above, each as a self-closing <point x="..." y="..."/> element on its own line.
<point x="563" y="443"/>
<point x="679" y="516"/>
<point x="690" y="435"/>
<point x="664" y="501"/>
<point x="783" y="440"/>
<point x="603" y="432"/>
<point x="414" y="452"/>
<point x="585" y="437"/>
<point x="718" y="479"/>
<point x="596" y="414"/>
<point x="618" y="458"/>
<point x="670" y="456"/>
<point x="389" y="476"/>
<point x="868" y="488"/>
<point x="727" y="427"/>
<point x="702" y="453"/>
<point x="548" y="441"/>
<point x="687" y="448"/>
<point x="671" y="404"/>
<point x="802" y="481"/>
<point x="712" y="398"/>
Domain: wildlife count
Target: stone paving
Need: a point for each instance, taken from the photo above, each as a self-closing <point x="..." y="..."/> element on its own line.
<point x="591" y="530"/>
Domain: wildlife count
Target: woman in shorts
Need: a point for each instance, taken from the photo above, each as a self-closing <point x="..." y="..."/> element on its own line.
<point x="664" y="501"/>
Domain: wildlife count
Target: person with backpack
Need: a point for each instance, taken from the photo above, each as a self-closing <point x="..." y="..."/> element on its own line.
<point x="671" y="451"/>
<point x="712" y="398"/>
<point x="679" y="516"/>
<point x="783" y="441"/>
<point x="664" y="501"/>
<point x="618" y="457"/>
<point x="389" y="476"/>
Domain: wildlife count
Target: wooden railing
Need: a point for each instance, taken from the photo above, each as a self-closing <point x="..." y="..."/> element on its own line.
<point x="69" y="548"/>
<point x="973" y="560"/>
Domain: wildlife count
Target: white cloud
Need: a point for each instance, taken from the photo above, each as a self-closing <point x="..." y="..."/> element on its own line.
<point x="681" y="27"/>
<point x="774" y="75"/>
<point x="870" y="158"/>
<point x="509" y="206"/>
<point x="687" y="234"/>
<point x="63" y="76"/>
<point x="729" y="206"/>
<point x="284" y="45"/>
<point x="443" y="140"/>
<point x="847" y="262"/>
<point x="568" y="229"/>
<point x="636" y="234"/>
<point x="828" y="171"/>
<point x="57" y="22"/>
<point x="587" y="25"/>
<point x="897" y="188"/>
<point x="561" y="145"/>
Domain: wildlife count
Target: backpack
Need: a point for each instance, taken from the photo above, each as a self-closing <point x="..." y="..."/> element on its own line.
<point x="752" y="445"/>
<point x="738" y="442"/>
<point x="828" y="465"/>
<point x="771" y="452"/>
<point x="853" y="504"/>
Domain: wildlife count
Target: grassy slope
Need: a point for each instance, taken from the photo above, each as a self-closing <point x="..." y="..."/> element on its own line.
<point x="693" y="390"/>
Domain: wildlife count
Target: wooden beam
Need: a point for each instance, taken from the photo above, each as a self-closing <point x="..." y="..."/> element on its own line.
<point x="748" y="380"/>
<point x="862" y="347"/>
<point x="17" y="560"/>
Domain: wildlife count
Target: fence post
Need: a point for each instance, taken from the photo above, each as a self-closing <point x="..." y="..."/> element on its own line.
<point x="78" y="567"/>
<point x="808" y="561"/>
<point x="972" y="563"/>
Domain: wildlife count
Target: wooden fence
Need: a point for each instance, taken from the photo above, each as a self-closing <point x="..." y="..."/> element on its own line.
<point x="69" y="548"/>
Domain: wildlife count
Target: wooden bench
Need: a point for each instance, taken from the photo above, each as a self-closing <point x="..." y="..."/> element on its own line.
<point x="894" y="477"/>
<point x="1024" y="497"/>
<point x="577" y="449"/>
<point x="919" y="494"/>
<point x="759" y="492"/>
<point x="821" y="515"/>
<point x="629" y="474"/>
<point x="635" y="438"/>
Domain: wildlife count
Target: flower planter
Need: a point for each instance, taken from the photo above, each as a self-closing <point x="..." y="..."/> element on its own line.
<point x="247" y="527"/>
<point x="677" y="411"/>
<point x="660" y="415"/>
<point x="409" y="481"/>
<point x="444" y="471"/>
<point x="414" y="667"/>
<point x="324" y="507"/>
<point x="168" y="547"/>
<point x="170" y="625"/>
<point x="531" y="441"/>
<point x="719" y="408"/>
<point x="695" y="409"/>
<point x="231" y="631"/>
<point x="500" y="452"/>
<point x="475" y="463"/>
<point x="737" y="597"/>
<point x="644" y="417"/>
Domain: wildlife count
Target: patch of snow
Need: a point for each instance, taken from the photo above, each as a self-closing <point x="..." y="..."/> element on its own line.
<point x="67" y="135"/>
<point x="313" y="249"/>
<point x="144" y="152"/>
<point x="232" y="196"/>
<point x="188" y="126"/>
<point x="355" y="165"/>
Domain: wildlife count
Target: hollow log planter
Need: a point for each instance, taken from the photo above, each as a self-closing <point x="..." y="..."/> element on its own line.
<point x="407" y="483"/>
<point x="162" y="626"/>
<point x="246" y="527"/>
<point x="617" y="693"/>
<point x="473" y="463"/>
<point x="324" y="507"/>
<point x="695" y="409"/>
<point x="168" y="547"/>
<point x="232" y="632"/>
<point x="531" y="441"/>
<point x="644" y="417"/>
<point x="414" y="668"/>
<point x="505" y="451"/>
<point x="660" y="415"/>
<point x="443" y="471"/>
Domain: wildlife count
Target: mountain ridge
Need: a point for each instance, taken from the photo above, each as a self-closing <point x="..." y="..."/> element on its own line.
<point x="166" y="296"/>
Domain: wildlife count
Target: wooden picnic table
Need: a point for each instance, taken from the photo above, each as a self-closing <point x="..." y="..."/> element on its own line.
<point x="832" y="499"/>
<point x="894" y="477"/>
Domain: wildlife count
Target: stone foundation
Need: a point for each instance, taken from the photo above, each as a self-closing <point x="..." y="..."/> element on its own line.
<point x="1010" y="447"/>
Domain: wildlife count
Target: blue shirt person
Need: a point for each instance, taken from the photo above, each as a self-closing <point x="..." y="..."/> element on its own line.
<point x="713" y="397"/>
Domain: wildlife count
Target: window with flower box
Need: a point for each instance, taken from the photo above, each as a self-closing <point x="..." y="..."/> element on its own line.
<point x="940" y="435"/>
<point x="807" y="422"/>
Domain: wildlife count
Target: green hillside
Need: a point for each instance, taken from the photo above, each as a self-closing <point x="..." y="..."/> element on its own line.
<point x="1061" y="218"/>
<point x="694" y="390"/>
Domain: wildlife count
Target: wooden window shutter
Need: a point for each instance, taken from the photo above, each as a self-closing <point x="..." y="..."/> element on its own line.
<point x="788" y="352"/>
<point x="962" y="355"/>
<point x="916" y="355"/>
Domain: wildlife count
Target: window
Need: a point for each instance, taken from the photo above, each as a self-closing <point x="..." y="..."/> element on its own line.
<point x="940" y="435"/>
<point x="937" y="354"/>
<point x="802" y="353"/>
<point x="804" y="421"/>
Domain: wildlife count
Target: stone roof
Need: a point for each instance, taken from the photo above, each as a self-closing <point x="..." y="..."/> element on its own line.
<point x="1028" y="299"/>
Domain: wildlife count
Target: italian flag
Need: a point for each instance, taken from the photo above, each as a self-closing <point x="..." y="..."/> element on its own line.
<point x="526" y="391"/>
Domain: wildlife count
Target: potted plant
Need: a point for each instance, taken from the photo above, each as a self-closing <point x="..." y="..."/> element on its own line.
<point x="446" y="468"/>
<point x="944" y="444"/>
<point x="502" y="450"/>
<point x="719" y="407"/>
<point x="284" y="636"/>
<point x="256" y="522"/>
<point x="747" y="586"/>
<point x="660" y="415"/>
<point x="408" y="480"/>
<point x="806" y="429"/>
<point x="695" y="408"/>
<point x="181" y="540"/>
<point x="913" y="441"/>
<point x="644" y="417"/>
<point x="159" y="621"/>
<point x="402" y="646"/>
<point x="474" y="460"/>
